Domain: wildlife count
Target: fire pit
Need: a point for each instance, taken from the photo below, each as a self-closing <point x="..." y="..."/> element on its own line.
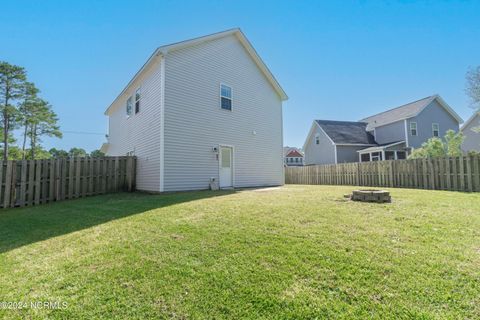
<point x="379" y="196"/>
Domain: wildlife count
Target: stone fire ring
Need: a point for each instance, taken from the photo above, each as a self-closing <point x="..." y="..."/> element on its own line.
<point x="379" y="196"/>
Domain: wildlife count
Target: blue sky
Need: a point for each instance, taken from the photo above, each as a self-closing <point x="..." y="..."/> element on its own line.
<point x="336" y="59"/>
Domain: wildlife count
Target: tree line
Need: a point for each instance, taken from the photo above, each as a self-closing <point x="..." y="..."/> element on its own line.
<point x="22" y="108"/>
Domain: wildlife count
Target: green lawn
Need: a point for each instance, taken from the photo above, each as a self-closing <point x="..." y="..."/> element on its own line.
<point x="296" y="252"/>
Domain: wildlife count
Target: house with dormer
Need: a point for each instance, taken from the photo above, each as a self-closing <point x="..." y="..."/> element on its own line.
<point x="389" y="135"/>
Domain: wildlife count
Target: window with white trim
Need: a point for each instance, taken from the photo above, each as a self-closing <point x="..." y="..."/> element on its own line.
<point x="225" y="97"/>
<point x="376" y="156"/>
<point x="129" y="106"/>
<point x="365" y="157"/>
<point x="317" y="139"/>
<point x="138" y="97"/>
<point x="413" y="128"/>
<point x="435" y="129"/>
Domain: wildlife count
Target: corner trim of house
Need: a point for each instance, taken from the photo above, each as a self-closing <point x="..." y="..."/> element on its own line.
<point x="162" y="123"/>
<point x="336" y="161"/>
<point x="406" y="133"/>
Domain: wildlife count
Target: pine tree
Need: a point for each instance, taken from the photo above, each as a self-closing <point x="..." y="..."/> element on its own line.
<point x="12" y="88"/>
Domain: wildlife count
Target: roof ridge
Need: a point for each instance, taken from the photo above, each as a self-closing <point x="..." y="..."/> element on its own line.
<point x="231" y="30"/>
<point x="403" y="105"/>
<point x="362" y="122"/>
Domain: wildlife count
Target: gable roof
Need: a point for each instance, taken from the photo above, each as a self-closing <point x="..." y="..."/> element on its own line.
<point x="163" y="50"/>
<point x="474" y="115"/>
<point x="347" y="132"/>
<point x="294" y="153"/>
<point x="407" y="111"/>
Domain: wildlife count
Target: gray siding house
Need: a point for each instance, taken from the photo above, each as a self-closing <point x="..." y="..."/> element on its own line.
<point x="472" y="136"/>
<point x="200" y="111"/>
<point x="388" y="135"/>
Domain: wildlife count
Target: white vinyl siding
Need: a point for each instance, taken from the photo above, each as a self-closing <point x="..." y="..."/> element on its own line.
<point x="140" y="133"/>
<point x="194" y="125"/>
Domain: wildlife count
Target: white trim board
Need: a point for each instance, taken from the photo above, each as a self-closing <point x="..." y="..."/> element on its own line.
<point x="162" y="124"/>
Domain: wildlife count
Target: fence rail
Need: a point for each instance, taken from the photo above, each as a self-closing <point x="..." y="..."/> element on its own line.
<point x="449" y="173"/>
<point x="34" y="182"/>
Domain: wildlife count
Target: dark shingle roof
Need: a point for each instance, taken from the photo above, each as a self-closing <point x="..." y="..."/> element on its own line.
<point x="347" y="132"/>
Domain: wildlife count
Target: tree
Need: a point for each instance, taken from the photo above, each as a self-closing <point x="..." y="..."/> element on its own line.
<point x="77" y="152"/>
<point x="436" y="147"/>
<point x="473" y="86"/>
<point x="42" y="122"/>
<point x="473" y="90"/>
<point x="453" y="143"/>
<point x="97" y="153"/>
<point x="12" y="83"/>
<point x="432" y="148"/>
<point x="26" y="111"/>
<point x="58" y="153"/>
<point x="38" y="153"/>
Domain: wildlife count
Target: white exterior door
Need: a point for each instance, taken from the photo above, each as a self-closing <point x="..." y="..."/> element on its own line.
<point x="226" y="167"/>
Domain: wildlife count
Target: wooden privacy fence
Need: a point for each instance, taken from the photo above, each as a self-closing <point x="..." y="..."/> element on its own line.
<point x="452" y="173"/>
<point x="33" y="182"/>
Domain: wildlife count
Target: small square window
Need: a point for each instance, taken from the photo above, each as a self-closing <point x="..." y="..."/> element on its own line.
<point x="225" y="97"/>
<point x="138" y="96"/>
<point x="413" y="128"/>
<point x="435" y="129"/>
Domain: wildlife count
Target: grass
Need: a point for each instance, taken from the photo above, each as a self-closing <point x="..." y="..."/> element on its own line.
<point x="296" y="252"/>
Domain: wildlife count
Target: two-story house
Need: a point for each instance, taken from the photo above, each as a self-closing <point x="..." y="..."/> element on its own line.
<point x="201" y="111"/>
<point x="388" y="135"/>
<point x="293" y="157"/>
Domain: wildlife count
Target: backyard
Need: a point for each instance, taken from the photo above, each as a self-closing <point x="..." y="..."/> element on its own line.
<point x="278" y="253"/>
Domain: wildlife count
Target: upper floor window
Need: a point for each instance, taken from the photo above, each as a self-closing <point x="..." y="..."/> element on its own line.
<point x="138" y="97"/>
<point x="413" y="128"/>
<point x="435" y="129"/>
<point x="317" y="139"/>
<point x="129" y="106"/>
<point x="225" y="97"/>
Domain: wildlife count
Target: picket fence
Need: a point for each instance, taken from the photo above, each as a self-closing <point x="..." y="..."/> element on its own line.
<point x="34" y="182"/>
<point x="449" y="173"/>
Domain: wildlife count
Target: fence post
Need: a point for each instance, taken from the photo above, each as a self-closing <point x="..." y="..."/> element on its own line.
<point x="23" y="183"/>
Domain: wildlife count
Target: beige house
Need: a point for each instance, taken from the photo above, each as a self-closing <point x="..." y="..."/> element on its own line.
<point x="200" y="111"/>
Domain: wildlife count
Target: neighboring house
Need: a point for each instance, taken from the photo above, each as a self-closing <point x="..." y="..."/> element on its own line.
<point x="472" y="136"/>
<point x="202" y="110"/>
<point x="336" y="141"/>
<point x="293" y="156"/>
<point x="385" y="136"/>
